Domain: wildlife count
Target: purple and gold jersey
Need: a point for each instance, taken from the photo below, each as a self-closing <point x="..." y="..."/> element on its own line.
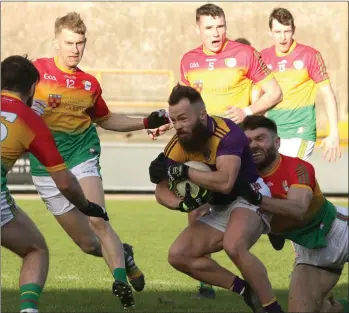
<point x="298" y="72"/>
<point x="224" y="79"/>
<point x="226" y="139"/>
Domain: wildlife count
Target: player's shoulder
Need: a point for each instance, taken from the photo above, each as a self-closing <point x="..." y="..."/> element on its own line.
<point x="268" y="51"/>
<point x="173" y="147"/>
<point x="306" y="49"/>
<point x="42" y="62"/>
<point x="296" y="164"/>
<point x="193" y="53"/>
<point x="225" y="127"/>
<point x="87" y="76"/>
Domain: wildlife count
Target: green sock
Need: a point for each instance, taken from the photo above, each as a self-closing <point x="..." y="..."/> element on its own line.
<point x="345" y="303"/>
<point x="30" y="294"/>
<point x="207" y="286"/>
<point x="120" y="274"/>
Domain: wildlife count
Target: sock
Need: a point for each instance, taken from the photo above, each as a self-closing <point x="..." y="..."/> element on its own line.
<point x="30" y="294"/>
<point x="207" y="286"/>
<point x="131" y="268"/>
<point x="345" y="304"/>
<point x="120" y="274"/>
<point x="272" y="306"/>
<point x="239" y="286"/>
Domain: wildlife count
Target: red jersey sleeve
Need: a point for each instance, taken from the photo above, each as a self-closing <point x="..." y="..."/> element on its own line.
<point x="317" y="68"/>
<point x="43" y="146"/>
<point x="184" y="78"/>
<point x="100" y="110"/>
<point x="258" y="70"/>
<point x="303" y="173"/>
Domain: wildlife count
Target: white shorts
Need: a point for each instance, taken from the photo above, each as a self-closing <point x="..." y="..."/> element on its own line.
<point x="297" y="147"/>
<point x="336" y="254"/>
<point x="219" y="215"/>
<point x="51" y="195"/>
<point x="8" y="206"/>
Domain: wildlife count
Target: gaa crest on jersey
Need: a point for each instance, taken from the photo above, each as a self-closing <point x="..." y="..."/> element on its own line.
<point x="87" y="85"/>
<point x="298" y="64"/>
<point x="54" y="100"/>
<point x="198" y="85"/>
<point x="230" y="62"/>
<point x="207" y="154"/>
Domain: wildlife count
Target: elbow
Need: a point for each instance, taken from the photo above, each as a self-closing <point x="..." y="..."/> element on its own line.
<point x="226" y="188"/>
<point x="278" y="95"/>
<point x="301" y="214"/>
<point x="64" y="187"/>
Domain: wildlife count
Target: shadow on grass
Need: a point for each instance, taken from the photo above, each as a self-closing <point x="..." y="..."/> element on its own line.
<point x="95" y="300"/>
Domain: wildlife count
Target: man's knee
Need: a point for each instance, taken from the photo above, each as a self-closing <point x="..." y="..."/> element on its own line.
<point x="177" y="257"/>
<point x="235" y="250"/>
<point x="90" y="245"/>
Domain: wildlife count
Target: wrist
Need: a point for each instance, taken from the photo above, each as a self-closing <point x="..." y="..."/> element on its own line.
<point x="145" y="123"/>
<point x="248" y="111"/>
<point x="185" y="171"/>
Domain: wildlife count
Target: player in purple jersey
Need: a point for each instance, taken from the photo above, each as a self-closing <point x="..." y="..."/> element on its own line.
<point x="232" y="223"/>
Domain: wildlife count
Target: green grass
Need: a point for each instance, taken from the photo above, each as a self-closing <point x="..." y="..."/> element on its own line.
<point x="82" y="283"/>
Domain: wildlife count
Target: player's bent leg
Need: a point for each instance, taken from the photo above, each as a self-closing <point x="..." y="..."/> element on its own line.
<point x="308" y="288"/>
<point x="244" y="229"/>
<point x="187" y="255"/>
<point x="22" y="237"/>
<point x="204" y="290"/>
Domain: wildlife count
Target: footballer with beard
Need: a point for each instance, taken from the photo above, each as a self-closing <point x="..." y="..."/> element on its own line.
<point x="232" y="223"/>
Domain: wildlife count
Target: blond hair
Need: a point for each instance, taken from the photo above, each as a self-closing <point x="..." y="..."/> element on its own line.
<point x="71" y="21"/>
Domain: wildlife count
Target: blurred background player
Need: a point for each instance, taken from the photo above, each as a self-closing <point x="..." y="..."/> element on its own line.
<point x="302" y="214"/>
<point x="75" y="102"/>
<point x="214" y="69"/>
<point x="300" y="72"/>
<point x="232" y="223"/>
<point x="21" y="131"/>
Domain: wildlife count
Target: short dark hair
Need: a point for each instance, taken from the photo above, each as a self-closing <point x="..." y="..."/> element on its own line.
<point x="180" y="92"/>
<point x="18" y="74"/>
<point x="209" y="9"/>
<point x="253" y="122"/>
<point x="243" y="40"/>
<point x="283" y="16"/>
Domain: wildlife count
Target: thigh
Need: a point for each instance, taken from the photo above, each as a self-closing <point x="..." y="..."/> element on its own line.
<point x="309" y="287"/>
<point x="20" y="234"/>
<point x="244" y="228"/>
<point x="93" y="189"/>
<point x="197" y="240"/>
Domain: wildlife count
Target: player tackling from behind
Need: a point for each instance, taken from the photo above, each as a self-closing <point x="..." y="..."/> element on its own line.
<point x="232" y="223"/>
<point x="21" y="131"/>
<point x="75" y="103"/>
<point x="302" y="214"/>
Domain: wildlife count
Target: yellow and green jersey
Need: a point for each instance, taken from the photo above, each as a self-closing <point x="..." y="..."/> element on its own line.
<point x="298" y="72"/>
<point x="74" y="101"/>
<point x="224" y="79"/>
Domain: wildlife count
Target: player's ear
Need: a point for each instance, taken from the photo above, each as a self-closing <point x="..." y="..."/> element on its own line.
<point x="203" y="114"/>
<point x="197" y="28"/>
<point x="277" y="142"/>
<point x="32" y="90"/>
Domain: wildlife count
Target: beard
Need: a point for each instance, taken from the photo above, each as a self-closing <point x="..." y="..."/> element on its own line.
<point x="199" y="137"/>
<point x="269" y="157"/>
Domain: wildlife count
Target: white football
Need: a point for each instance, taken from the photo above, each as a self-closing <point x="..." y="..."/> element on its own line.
<point x="180" y="187"/>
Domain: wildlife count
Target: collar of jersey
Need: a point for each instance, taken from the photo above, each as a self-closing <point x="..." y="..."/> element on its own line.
<point x="281" y="54"/>
<point x="8" y="94"/>
<point x="62" y="68"/>
<point x="208" y="52"/>
<point x="274" y="168"/>
<point x="211" y="124"/>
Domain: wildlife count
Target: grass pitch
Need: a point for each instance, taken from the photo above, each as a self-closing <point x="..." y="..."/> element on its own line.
<point x="82" y="283"/>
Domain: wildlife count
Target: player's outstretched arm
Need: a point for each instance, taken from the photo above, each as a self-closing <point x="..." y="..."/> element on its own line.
<point x="331" y="143"/>
<point x="124" y="123"/>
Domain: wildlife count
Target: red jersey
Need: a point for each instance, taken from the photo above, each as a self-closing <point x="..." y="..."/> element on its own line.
<point x="289" y="172"/>
<point x="21" y="131"/>
<point x="224" y="79"/>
